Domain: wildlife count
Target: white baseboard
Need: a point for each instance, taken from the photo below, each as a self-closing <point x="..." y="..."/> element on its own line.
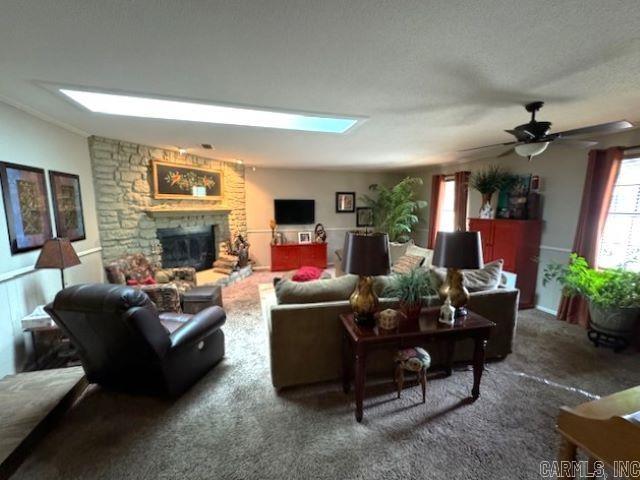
<point x="547" y="310"/>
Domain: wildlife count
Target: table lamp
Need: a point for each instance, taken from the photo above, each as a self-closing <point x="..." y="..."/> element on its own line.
<point x="57" y="253"/>
<point x="365" y="256"/>
<point x="456" y="251"/>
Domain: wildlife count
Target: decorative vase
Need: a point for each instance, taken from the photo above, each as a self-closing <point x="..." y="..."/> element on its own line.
<point x="411" y="310"/>
<point x="486" y="211"/>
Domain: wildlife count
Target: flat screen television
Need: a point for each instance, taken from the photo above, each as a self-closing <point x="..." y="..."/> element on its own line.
<point x="295" y="212"/>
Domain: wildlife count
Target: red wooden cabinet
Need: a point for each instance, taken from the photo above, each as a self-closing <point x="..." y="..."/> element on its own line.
<point x="517" y="242"/>
<point x="292" y="256"/>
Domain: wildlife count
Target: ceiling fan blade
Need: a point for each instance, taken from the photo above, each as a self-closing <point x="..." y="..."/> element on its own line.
<point x="521" y="135"/>
<point x="610" y="127"/>
<point x="507" y="153"/>
<point x="488" y="146"/>
<point x="570" y="142"/>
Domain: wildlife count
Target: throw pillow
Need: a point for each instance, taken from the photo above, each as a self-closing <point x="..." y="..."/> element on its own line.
<point x="305" y="274"/>
<point x="397" y="250"/>
<point x="132" y="282"/>
<point x="330" y="290"/>
<point x="421" y="252"/>
<point x="149" y="281"/>
<point x="485" y="278"/>
<point x="407" y="263"/>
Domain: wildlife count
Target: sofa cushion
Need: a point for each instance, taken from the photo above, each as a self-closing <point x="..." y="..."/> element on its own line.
<point x="407" y="263"/>
<point x="315" y="291"/>
<point x="485" y="278"/>
<point x="421" y="252"/>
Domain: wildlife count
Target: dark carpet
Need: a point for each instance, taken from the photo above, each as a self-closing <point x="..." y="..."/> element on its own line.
<point x="233" y="425"/>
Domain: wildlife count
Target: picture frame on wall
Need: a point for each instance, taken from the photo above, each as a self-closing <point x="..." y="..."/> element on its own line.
<point x="345" y="202"/>
<point x="26" y="205"/>
<point x="364" y="217"/>
<point x="304" y="237"/>
<point x="184" y="182"/>
<point x="67" y="205"/>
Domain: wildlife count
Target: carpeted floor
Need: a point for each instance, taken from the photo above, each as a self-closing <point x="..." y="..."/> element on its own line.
<point x="233" y="425"/>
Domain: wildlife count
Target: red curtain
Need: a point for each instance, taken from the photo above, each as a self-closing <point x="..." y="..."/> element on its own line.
<point x="460" y="205"/>
<point x="602" y="172"/>
<point x="437" y="194"/>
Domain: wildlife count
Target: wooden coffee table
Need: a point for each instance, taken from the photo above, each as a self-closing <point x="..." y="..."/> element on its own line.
<point x="358" y="341"/>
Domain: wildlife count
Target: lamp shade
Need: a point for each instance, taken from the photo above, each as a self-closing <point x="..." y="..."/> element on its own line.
<point x="366" y="255"/>
<point x="458" y="250"/>
<point x="57" y="253"/>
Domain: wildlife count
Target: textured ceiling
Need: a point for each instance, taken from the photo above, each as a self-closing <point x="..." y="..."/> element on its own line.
<point x="432" y="77"/>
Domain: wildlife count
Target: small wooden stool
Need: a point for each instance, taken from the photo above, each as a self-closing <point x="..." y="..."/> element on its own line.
<point x="417" y="360"/>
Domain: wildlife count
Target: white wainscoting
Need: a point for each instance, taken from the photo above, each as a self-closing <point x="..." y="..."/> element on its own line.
<point x="22" y="290"/>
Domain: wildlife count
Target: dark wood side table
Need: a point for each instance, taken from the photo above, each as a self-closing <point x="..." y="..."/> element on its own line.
<point x="358" y="341"/>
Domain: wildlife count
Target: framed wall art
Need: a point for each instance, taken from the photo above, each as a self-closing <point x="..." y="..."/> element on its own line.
<point x="67" y="205"/>
<point x="24" y="190"/>
<point x="364" y="217"/>
<point x="345" y="202"/>
<point x="184" y="182"/>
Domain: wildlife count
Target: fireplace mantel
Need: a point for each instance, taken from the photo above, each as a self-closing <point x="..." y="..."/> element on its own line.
<point x="160" y="211"/>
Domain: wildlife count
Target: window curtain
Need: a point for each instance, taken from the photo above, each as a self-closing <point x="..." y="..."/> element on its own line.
<point x="437" y="194"/>
<point x="602" y="172"/>
<point x="460" y="205"/>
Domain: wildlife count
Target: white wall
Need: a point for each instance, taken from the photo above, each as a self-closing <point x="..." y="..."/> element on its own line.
<point x="266" y="184"/>
<point x="562" y="171"/>
<point x="27" y="140"/>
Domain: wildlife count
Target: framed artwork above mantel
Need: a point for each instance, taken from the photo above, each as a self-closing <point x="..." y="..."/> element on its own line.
<point x="184" y="182"/>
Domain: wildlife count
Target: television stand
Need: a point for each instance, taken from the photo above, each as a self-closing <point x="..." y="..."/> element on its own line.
<point x="292" y="256"/>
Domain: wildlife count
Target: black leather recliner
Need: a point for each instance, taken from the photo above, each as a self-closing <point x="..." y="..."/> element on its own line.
<point x="123" y="344"/>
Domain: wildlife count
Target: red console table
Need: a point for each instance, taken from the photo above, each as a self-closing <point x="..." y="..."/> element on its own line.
<point x="292" y="256"/>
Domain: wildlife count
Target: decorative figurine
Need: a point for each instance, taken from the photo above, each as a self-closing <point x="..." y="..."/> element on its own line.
<point x="273" y="226"/>
<point x="447" y="312"/>
<point x="320" y="234"/>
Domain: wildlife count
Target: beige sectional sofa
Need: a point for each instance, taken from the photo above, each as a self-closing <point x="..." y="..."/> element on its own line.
<point x="305" y="333"/>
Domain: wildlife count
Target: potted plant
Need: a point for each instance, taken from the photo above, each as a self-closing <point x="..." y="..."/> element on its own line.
<point x="613" y="295"/>
<point x="394" y="209"/>
<point x="487" y="181"/>
<point x="410" y="290"/>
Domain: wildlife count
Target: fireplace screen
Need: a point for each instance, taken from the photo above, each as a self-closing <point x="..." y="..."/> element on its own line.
<point x="187" y="247"/>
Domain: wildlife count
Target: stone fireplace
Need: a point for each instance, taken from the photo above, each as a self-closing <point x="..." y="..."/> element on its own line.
<point x="132" y="220"/>
<point x="187" y="246"/>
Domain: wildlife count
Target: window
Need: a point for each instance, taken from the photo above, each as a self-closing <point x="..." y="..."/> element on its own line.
<point x="620" y="244"/>
<point x="447" y="209"/>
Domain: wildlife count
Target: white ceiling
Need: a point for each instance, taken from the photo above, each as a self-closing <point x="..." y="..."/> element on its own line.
<point x="431" y="76"/>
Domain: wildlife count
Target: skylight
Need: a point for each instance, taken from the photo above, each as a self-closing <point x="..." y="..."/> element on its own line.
<point x="133" y="106"/>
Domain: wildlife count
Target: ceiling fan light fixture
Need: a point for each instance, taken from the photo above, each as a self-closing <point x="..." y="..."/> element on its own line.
<point x="531" y="149"/>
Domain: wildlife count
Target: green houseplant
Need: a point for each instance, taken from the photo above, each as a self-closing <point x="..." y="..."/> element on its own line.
<point x="394" y="209"/>
<point x="489" y="180"/>
<point x="410" y="289"/>
<point x="613" y="294"/>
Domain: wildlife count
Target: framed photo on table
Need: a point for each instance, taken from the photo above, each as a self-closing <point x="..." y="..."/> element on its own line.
<point x="24" y="190"/>
<point x="67" y="205"/>
<point x="304" y="237"/>
<point x="345" y="202"/>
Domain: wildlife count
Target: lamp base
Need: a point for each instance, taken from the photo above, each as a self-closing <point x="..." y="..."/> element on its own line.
<point x="364" y="302"/>
<point x="457" y="292"/>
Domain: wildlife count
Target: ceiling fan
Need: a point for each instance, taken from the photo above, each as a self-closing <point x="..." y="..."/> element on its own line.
<point x="533" y="138"/>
